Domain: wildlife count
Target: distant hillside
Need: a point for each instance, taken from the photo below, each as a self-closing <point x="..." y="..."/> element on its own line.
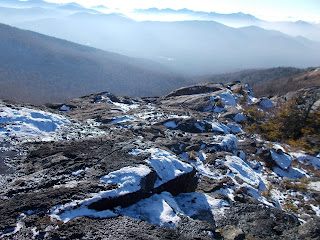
<point x="252" y="76"/>
<point x="271" y="81"/>
<point x="189" y="47"/>
<point x="38" y="69"/>
<point x="283" y="85"/>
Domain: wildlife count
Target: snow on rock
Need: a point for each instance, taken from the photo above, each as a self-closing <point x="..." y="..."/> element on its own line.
<point x="266" y="103"/>
<point x="234" y="128"/>
<point x="78" y="172"/>
<point x="128" y="181"/>
<point x="126" y="107"/>
<point x="166" y="165"/>
<point x="171" y="124"/>
<point x="307" y="159"/>
<point x="26" y="122"/>
<point x="219" y="127"/>
<point x="316" y="209"/>
<point x="159" y="209"/>
<point x="243" y="170"/>
<point x="228" y="99"/>
<point x="252" y="100"/>
<point x="248" y="89"/>
<point x="315" y="186"/>
<point x="164" y="209"/>
<point x="239" y="117"/>
<point x="227" y="143"/>
<point x="291" y="172"/>
<point x="194" y="204"/>
<point x="242" y="155"/>
<point x="65" y="108"/>
<point x="200" y="126"/>
<point x="67" y="214"/>
<point x="198" y="163"/>
<point x="283" y="160"/>
<point x="122" y="120"/>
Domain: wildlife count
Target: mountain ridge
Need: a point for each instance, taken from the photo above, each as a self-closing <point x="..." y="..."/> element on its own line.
<point x="44" y="61"/>
<point x="186" y="47"/>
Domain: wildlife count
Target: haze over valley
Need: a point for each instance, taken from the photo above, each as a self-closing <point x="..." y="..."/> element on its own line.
<point x="206" y="43"/>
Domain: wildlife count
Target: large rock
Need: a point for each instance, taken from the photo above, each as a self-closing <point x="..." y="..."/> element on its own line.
<point x="197" y="89"/>
<point x="230" y="232"/>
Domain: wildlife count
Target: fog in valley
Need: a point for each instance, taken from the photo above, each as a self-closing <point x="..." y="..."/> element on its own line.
<point x="206" y="43"/>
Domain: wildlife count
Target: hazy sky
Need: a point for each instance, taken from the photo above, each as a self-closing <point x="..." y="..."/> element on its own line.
<point x="308" y="10"/>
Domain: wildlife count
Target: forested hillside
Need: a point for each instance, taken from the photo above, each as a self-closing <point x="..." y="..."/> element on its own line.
<point x="36" y="68"/>
<point x="271" y="81"/>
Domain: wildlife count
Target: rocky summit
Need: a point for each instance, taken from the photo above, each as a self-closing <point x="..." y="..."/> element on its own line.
<point x="181" y="166"/>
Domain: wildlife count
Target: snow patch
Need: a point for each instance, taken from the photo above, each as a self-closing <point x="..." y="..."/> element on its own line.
<point x="171" y="124"/>
<point x="315" y="186"/>
<point x="195" y="204"/>
<point x="293" y="173"/>
<point x="126" y="107"/>
<point x="228" y="99"/>
<point x="239" y="117"/>
<point x="157" y="210"/>
<point x="198" y="164"/>
<point x="307" y="159"/>
<point x="164" y="209"/>
<point x="242" y="170"/>
<point x="78" y="172"/>
<point x="28" y="123"/>
<point x="127" y="179"/>
<point x="234" y="128"/>
<point x="227" y="143"/>
<point x="283" y="160"/>
<point x="166" y="165"/>
<point x="316" y="209"/>
<point x="122" y="120"/>
<point x="219" y="127"/>
<point x="65" y="108"/>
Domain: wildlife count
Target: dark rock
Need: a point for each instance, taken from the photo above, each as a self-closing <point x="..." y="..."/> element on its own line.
<point x="126" y="200"/>
<point x="192" y="148"/>
<point x="197" y="89"/>
<point x="194" y="126"/>
<point x="307" y="231"/>
<point x="230" y="232"/>
<point x="258" y="220"/>
<point x="182" y="184"/>
<point x="117" y="228"/>
<point x="241" y="190"/>
<point x="265" y="155"/>
<point x="208" y="185"/>
<point x="176" y="146"/>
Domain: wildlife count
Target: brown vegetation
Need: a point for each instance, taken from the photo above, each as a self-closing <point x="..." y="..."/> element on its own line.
<point x="294" y="123"/>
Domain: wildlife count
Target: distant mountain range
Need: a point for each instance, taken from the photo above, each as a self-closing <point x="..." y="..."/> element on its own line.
<point x="235" y="19"/>
<point x="189" y="47"/>
<point x="298" y="28"/>
<point x="192" y="47"/>
<point x="38" y="69"/>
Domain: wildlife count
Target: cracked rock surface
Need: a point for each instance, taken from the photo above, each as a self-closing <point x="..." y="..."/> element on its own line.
<point x="173" y="167"/>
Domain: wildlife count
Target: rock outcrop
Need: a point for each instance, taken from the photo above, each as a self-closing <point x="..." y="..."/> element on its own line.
<point x="177" y="167"/>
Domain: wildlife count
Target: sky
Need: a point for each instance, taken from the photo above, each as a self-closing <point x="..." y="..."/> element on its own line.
<point x="271" y="10"/>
